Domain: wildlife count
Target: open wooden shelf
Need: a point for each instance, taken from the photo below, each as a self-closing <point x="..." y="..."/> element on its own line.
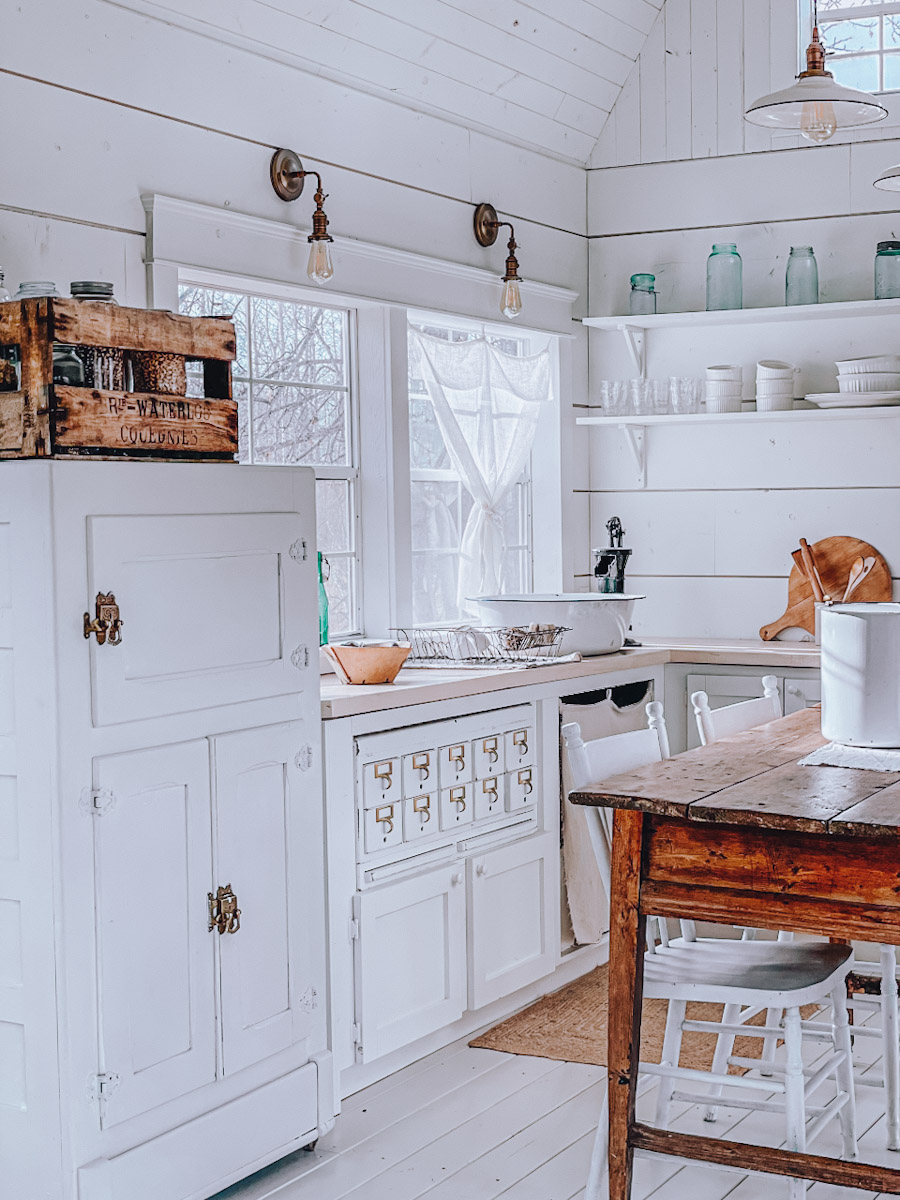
<point x="745" y="417"/>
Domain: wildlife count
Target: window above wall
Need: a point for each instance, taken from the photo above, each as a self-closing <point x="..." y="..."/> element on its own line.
<point x="862" y="38"/>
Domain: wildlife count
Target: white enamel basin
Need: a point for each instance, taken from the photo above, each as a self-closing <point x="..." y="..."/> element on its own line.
<point x="597" y="622"/>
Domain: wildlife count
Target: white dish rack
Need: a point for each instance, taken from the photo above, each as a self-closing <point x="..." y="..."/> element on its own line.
<point x="482" y="646"/>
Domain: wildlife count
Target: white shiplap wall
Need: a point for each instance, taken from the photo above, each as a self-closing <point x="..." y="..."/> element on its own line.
<point x="725" y="505"/>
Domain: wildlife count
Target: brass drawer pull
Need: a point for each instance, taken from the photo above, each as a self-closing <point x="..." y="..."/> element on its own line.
<point x="525" y="781"/>
<point x="422" y="804"/>
<point x="520" y="739"/>
<point x="490" y="785"/>
<point x="489" y="746"/>
<point x="457" y="754"/>
<point x="385" y="816"/>
<point x="224" y="913"/>
<point x="421" y="762"/>
<point x="458" y="796"/>
<point x="107" y="624"/>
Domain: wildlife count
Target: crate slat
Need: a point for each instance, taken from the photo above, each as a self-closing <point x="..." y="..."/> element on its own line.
<point x="12" y="425"/>
<point x="94" y="323"/>
<point x="136" y="423"/>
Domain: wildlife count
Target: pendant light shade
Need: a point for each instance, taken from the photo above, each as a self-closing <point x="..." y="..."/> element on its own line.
<point x="889" y="180"/>
<point x="815" y="105"/>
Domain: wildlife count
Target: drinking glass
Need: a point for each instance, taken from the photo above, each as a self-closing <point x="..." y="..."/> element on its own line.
<point x="658" y="397"/>
<point x="685" y="394"/>
<point x="639" y="395"/>
<point x="613" y="398"/>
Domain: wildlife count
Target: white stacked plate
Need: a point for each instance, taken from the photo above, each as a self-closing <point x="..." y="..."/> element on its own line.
<point x="874" y="376"/>
<point x="854" y="399"/>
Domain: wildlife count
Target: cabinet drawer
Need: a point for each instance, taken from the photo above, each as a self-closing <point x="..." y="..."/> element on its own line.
<point x="455" y="763"/>
<point x="382" y="827"/>
<point x="214" y="609"/>
<point x="420" y="817"/>
<point x="488" y="753"/>
<point x="519" y="748"/>
<point x="488" y="797"/>
<point x="420" y="772"/>
<point x="521" y="788"/>
<point x="381" y="782"/>
<point x="456" y="806"/>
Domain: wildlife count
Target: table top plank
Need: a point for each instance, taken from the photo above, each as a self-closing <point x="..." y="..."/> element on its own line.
<point x="754" y="778"/>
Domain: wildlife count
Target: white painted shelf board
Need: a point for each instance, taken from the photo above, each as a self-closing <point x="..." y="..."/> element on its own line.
<point x="794" y="414"/>
<point x="750" y="316"/>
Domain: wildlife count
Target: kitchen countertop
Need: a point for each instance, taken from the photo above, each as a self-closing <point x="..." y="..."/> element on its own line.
<point x="426" y="684"/>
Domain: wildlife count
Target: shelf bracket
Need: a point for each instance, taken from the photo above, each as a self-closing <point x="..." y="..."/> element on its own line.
<point x="636" y="440"/>
<point x="635" y="340"/>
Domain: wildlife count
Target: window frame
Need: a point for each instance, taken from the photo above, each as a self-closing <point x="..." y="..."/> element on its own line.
<point x="379" y="356"/>
<point x="879" y="8"/>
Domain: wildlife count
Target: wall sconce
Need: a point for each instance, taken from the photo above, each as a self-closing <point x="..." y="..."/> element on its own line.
<point x="486" y="228"/>
<point x="287" y="175"/>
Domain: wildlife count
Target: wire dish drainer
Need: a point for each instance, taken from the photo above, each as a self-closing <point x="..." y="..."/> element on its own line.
<point x="481" y="646"/>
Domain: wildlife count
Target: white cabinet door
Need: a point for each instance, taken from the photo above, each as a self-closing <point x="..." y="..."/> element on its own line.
<point x="513" y="918"/>
<point x="153" y="869"/>
<point x="801" y="693"/>
<point x="272" y="993"/>
<point x="210" y="609"/>
<point x="411" y="959"/>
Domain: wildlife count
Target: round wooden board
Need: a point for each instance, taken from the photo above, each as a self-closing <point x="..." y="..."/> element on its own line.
<point x="834" y="557"/>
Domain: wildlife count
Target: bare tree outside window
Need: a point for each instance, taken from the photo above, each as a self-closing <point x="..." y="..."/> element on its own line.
<point x="862" y="38"/>
<point x="296" y="405"/>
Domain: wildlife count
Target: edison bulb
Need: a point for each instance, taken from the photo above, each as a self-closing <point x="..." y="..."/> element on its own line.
<point x="320" y="268"/>
<point x="510" y="299"/>
<point x="817" y="121"/>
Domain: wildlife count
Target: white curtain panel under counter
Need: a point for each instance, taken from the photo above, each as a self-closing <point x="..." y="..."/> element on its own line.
<point x="487" y="404"/>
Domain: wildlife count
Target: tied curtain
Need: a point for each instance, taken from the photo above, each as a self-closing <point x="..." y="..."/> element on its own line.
<point x="486" y="403"/>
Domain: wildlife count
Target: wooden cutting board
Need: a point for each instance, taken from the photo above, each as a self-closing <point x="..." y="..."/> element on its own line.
<point x="834" y="557"/>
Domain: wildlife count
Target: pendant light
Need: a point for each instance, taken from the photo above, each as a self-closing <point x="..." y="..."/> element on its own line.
<point x="487" y="226"/>
<point x="815" y="105"/>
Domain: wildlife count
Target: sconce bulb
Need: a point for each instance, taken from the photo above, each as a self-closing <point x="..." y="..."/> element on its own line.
<point x="320" y="268"/>
<point x="511" y="299"/>
<point x="818" y="121"/>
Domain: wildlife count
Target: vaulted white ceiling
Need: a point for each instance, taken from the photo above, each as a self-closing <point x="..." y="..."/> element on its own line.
<point x="542" y="73"/>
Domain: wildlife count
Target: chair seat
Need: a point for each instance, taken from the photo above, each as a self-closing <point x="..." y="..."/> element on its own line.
<point x="781" y="974"/>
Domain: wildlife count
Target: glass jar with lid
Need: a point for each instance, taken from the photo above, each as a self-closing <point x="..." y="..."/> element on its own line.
<point x="801" y="279"/>
<point x="104" y="366"/>
<point x="724" y="278"/>
<point x="67" y="367"/>
<point x="643" y="295"/>
<point x="887" y="271"/>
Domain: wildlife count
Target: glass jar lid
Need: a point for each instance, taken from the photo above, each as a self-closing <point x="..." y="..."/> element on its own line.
<point x="94" y="288"/>
<point x="645" y="282"/>
<point x="724" y="248"/>
<point x="889" y="247"/>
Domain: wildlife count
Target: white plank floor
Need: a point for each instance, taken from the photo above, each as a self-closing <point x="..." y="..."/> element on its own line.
<point x="468" y="1124"/>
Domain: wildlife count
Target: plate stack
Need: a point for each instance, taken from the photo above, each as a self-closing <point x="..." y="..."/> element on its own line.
<point x="864" y="382"/>
<point x="774" y="386"/>
<point x="724" y="385"/>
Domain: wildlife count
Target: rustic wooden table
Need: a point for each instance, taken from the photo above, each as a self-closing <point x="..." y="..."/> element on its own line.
<point x="738" y="833"/>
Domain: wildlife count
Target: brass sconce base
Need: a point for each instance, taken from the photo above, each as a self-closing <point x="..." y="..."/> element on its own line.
<point x="486" y="224"/>
<point x="286" y="173"/>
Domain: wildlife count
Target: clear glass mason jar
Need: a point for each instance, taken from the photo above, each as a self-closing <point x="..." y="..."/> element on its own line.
<point x="801" y="279"/>
<point x="724" y="278"/>
<point x="104" y="366"/>
<point x="887" y="271"/>
<point x="643" y="296"/>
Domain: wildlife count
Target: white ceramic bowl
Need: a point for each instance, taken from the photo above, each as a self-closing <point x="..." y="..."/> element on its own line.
<point x="774" y="403"/>
<point x="596" y="623"/>
<point x="725" y="388"/>
<point x="720" y="404"/>
<point x="724" y="372"/>
<point x="771" y="368"/>
<point x="865" y="366"/>
<point x="874" y="381"/>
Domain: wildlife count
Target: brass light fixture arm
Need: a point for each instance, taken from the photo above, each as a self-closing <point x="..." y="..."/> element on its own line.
<point x="487" y="227"/>
<point x="287" y="174"/>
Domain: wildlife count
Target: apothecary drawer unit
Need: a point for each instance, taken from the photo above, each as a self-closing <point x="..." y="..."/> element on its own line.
<point x="161" y="828"/>
<point x="456" y="884"/>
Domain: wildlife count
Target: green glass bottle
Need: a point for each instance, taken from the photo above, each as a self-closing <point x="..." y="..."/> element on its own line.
<point x="323" y="602"/>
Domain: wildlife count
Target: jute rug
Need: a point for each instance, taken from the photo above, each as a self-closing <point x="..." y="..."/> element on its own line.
<point x="570" y="1025"/>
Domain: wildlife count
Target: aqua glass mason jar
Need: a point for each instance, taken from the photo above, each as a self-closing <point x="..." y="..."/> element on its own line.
<point x="724" y="278"/>
<point x="323" y="600"/>
<point x="643" y="296"/>
<point x="887" y="271"/>
<point x="801" y="279"/>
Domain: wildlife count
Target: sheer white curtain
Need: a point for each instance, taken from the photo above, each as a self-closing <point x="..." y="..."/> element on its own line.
<point x="486" y="403"/>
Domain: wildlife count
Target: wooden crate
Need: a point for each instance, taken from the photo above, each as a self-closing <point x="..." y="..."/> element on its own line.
<point x="48" y="420"/>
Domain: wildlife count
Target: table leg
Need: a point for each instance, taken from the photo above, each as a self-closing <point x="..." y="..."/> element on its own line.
<point x="626" y="977"/>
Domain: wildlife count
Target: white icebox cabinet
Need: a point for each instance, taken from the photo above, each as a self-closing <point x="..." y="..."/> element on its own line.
<point x="147" y="791"/>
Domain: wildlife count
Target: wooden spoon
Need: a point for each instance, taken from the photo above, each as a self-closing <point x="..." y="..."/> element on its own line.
<point x="868" y="564"/>
<point x="856" y="570"/>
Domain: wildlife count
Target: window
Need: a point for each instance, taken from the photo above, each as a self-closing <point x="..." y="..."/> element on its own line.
<point x="863" y="40"/>
<point x="439" y="502"/>
<point x="294" y="384"/>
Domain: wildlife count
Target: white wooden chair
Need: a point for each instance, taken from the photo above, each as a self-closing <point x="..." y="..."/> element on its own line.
<point x="713" y="724"/>
<point x="744" y="976"/>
